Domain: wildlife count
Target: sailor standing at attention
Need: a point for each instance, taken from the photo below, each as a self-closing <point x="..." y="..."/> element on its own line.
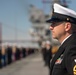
<point x="63" y="28"/>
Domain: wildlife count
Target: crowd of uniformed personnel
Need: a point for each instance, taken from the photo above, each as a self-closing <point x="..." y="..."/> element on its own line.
<point x="48" y="51"/>
<point x="10" y="54"/>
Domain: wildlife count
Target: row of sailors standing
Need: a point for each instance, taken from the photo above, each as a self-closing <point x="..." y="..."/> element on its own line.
<point x="11" y="54"/>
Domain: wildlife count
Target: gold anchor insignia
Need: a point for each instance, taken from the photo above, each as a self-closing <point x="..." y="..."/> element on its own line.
<point x="74" y="70"/>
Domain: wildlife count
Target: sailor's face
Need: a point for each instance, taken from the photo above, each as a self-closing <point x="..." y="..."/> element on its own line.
<point x="57" y="30"/>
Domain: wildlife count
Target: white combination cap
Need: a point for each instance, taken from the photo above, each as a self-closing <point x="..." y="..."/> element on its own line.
<point x="48" y="42"/>
<point x="61" y="13"/>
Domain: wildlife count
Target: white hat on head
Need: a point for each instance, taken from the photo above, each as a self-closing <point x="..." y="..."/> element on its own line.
<point x="61" y="13"/>
<point x="48" y="42"/>
<point x="65" y="11"/>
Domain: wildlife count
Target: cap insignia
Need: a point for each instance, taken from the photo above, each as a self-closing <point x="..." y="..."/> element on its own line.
<point x="68" y="19"/>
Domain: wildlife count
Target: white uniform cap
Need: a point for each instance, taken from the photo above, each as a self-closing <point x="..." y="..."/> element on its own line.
<point x="61" y="13"/>
<point x="65" y="11"/>
<point x="48" y="42"/>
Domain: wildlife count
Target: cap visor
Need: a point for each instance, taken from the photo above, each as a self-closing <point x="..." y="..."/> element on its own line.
<point x="49" y="21"/>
